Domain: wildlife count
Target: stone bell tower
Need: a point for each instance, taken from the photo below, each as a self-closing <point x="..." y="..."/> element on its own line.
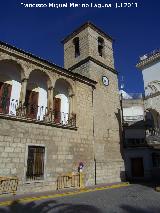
<point x="88" y="51"/>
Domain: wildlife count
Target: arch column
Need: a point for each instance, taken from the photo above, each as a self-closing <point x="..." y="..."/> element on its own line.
<point x="71" y="103"/>
<point x="23" y="90"/>
<point x="50" y="97"/>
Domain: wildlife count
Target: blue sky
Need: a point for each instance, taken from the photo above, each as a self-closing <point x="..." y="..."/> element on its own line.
<point x="39" y="30"/>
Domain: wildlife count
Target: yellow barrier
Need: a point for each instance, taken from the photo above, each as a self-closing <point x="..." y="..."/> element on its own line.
<point x="68" y="180"/>
<point x="8" y="185"/>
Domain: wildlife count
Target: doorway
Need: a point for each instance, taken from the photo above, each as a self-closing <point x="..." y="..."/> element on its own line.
<point x="137" y="167"/>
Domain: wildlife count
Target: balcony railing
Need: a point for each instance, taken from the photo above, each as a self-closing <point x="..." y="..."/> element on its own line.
<point x="11" y="107"/>
<point x="135" y="142"/>
<point x="153" y="135"/>
<point x="8" y="106"/>
<point x="133" y="96"/>
<point x="133" y="118"/>
<point x="154" y="52"/>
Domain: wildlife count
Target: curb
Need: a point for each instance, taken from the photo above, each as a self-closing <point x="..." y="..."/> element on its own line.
<point x="64" y="194"/>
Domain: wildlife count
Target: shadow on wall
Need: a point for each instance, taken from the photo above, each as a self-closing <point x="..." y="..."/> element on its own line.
<point x="134" y="209"/>
<point x="121" y="136"/>
<point x="51" y="206"/>
<point x="118" y="116"/>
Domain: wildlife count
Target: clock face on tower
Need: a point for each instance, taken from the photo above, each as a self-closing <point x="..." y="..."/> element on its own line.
<point x="105" y="80"/>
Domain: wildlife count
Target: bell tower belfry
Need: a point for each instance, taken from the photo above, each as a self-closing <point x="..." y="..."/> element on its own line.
<point x="88" y="43"/>
<point x="88" y="51"/>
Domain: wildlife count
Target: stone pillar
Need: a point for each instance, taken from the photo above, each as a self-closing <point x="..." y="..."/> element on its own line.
<point x="71" y="103"/>
<point x="23" y="90"/>
<point x="50" y="97"/>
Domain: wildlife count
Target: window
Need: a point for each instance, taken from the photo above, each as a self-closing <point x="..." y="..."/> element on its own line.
<point x="76" y="46"/>
<point x="35" y="163"/>
<point x="5" y="93"/>
<point x="57" y="110"/>
<point x="101" y="46"/>
<point x="156" y="160"/>
<point x="31" y="101"/>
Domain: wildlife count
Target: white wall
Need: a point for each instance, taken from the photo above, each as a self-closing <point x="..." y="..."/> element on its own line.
<point x="151" y="73"/>
<point x="62" y="88"/>
<point x="15" y="95"/>
<point x="133" y="111"/>
<point x="42" y="103"/>
<point x="64" y="107"/>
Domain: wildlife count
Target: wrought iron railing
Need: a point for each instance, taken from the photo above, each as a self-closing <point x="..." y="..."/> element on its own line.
<point x="8" y="106"/>
<point x="44" y="114"/>
<point x="153" y="135"/>
<point x="153" y="132"/>
<point x="154" y="52"/>
<point x="34" y="112"/>
<point x="4" y="104"/>
<point x="152" y="95"/>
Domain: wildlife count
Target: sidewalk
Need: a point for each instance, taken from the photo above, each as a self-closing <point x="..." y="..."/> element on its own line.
<point x="28" y="197"/>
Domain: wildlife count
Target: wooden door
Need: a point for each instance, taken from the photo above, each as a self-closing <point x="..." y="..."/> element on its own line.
<point x="31" y="102"/>
<point x="57" y="110"/>
<point x="5" y="94"/>
<point x="137" y="167"/>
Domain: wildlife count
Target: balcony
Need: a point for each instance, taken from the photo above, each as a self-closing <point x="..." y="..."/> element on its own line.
<point x="135" y="118"/>
<point x="153" y="136"/>
<point x="146" y="56"/>
<point x="10" y="108"/>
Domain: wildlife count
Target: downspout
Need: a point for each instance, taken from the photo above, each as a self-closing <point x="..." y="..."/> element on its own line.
<point x="95" y="166"/>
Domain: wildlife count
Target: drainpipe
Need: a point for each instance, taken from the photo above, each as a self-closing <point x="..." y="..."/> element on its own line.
<point x="95" y="165"/>
<point x="123" y="132"/>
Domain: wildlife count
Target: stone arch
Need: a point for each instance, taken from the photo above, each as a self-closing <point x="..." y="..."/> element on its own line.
<point x="63" y="98"/>
<point x="8" y="63"/>
<point x="12" y="73"/>
<point x="70" y="83"/>
<point x="45" y="73"/>
<point x="37" y="92"/>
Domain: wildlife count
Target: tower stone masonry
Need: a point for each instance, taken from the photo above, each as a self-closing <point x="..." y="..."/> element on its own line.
<point x="98" y="64"/>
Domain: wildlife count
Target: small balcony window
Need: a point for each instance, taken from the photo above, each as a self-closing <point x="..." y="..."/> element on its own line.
<point x="76" y="46"/>
<point x="35" y="163"/>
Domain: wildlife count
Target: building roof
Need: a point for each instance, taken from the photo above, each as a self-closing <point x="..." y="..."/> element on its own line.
<point x="60" y="69"/>
<point x="84" y="26"/>
<point x="148" y="59"/>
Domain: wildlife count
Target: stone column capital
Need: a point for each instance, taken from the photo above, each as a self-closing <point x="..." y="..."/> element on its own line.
<point x="71" y="95"/>
<point x="25" y="80"/>
<point x="51" y="88"/>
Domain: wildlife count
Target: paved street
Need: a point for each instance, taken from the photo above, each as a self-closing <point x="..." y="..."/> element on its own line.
<point x="130" y="199"/>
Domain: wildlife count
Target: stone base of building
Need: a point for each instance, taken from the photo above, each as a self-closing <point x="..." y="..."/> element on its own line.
<point x="105" y="173"/>
<point x="63" y="151"/>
